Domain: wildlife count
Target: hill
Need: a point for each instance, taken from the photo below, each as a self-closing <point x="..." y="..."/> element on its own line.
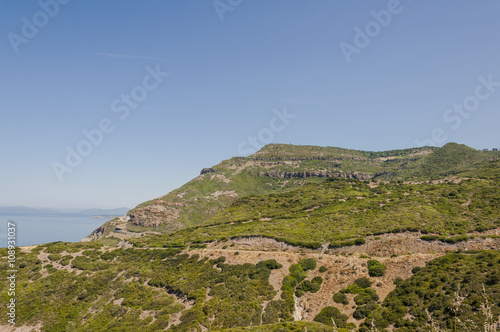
<point x="279" y="168"/>
<point x="340" y="212"/>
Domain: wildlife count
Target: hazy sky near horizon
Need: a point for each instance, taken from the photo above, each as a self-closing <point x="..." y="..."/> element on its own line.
<point x="111" y="103"/>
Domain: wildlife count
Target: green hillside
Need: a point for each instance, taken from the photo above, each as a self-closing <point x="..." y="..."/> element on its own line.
<point x="279" y="168"/>
<point x="338" y="211"/>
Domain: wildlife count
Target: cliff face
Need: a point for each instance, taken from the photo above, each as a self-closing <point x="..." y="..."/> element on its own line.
<point x="158" y="213"/>
<point x="315" y="174"/>
<point x="277" y="168"/>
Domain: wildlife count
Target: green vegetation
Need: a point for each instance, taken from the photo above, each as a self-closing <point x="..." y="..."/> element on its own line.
<point x="292" y="285"/>
<point x="363" y="282"/>
<point x="366" y="298"/>
<point x="115" y="287"/>
<point x="344" y="212"/>
<point x="458" y="289"/>
<point x="328" y="314"/>
<point x="449" y="160"/>
<point x="375" y="268"/>
<point x="340" y="298"/>
<point x="279" y="168"/>
<point x="453" y="239"/>
<point x="347" y="243"/>
<point x="285" y="326"/>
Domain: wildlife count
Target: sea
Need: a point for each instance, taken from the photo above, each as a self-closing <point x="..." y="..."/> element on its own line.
<point x="33" y="229"/>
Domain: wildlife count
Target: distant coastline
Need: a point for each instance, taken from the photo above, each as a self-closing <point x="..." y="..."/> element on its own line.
<point x="106" y="216"/>
<point x="99" y="213"/>
<point x="42" y="228"/>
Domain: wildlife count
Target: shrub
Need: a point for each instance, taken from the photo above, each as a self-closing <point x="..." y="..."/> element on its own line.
<point x="355" y="289"/>
<point x="322" y="269"/>
<point x="305" y="286"/>
<point x="360" y="313"/>
<point x="362" y="298"/>
<point x="308" y="264"/>
<point x="372" y="293"/>
<point x="55" y="257"/>
<point x="340" y="298"/>
<point x="55" y="247"/>
<point x="317" y="280"/>
<point x="429" y="237"/>
<point x="347" y="243"/>
<point x="359" y="241"/>
<point x="289" y="282"/>
<point x="364" y="310"/>
<point x="108" y="255"/>
<point x="455" y="239"/>
<point x="398" y="281"/>
<point x="66" y="259"/>
<point x="363" y="282"/>
<point x="297" y="272"/>
<point x="375" y="268"/>
<point x="271" y="264"/>
<point x="328" y="313"/>
<point x="315" y="287"/>
<point x="416" y="269"/>
<point x="221" y="260"/>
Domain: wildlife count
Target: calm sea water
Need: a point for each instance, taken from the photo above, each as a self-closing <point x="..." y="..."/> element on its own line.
<point x="44" y="228"/>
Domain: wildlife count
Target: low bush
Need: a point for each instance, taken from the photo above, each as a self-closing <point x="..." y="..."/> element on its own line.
<point x="363" y="282"/>
<point x="54" y="257"/>
<point x="340" y="298"/>
<point x="328" y="313"/>
<point x="376" y="268"/>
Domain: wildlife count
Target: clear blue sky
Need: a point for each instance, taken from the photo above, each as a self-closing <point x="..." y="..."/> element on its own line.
<point x="225" y="79"/>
